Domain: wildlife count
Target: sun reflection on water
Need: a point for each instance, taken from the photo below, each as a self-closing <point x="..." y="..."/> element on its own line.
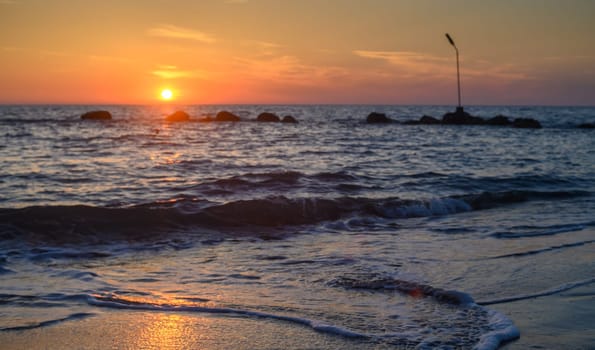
<point x="170" y="325"/>
<point x="172" y="331"/>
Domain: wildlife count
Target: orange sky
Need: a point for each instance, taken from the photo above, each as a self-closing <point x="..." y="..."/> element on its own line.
<point x="307" y="51"/>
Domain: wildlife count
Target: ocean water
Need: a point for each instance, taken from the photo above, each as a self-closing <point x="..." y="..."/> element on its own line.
<point x="375" y="236"/>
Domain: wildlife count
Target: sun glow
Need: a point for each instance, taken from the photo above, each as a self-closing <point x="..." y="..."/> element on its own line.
<point x="167" y="94"/>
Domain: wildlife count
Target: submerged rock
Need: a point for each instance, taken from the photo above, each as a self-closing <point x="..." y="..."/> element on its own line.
<point x="97" y="115"/>
<point x="587" y="126"/>
<point x="499" y="120"/>
<point x="288" y="119"/>
<point x="378" y="118"/>
<point x="426" y="119"/>
<point x="268" y="117"/>
<point x="225" y="116"/>
<point x="526" y="123"/>
<point x="178" y="116"/>
<point x="460" y="117"/>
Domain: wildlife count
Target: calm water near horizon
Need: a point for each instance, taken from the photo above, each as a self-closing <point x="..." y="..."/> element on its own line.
<point x="380" y="236"/>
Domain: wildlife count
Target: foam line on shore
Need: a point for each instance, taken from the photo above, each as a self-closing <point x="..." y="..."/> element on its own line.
<point x="551" y="291"/>
<point x="543" y="250"/>
<point x="114" y="303"/>
<point x="48" y="323"/>
<point x="503" y="330"/>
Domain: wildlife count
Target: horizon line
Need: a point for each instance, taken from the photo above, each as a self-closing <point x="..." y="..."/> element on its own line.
<point x="3" y="104"/>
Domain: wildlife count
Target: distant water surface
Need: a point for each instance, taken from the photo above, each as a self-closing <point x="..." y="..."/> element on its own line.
<point x="382" y="235"/>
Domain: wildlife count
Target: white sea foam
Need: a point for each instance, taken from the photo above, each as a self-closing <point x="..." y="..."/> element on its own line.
<point x="543" y="232"/>
<point x="502" y="329"/>
<point x="432" y="207"/>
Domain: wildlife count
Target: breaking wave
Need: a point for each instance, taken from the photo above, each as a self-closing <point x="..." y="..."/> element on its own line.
<point x="186" y="213"/>
<point x="76" y="316"/>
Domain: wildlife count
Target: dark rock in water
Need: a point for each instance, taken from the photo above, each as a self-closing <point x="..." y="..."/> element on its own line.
<point x="178" y="116"/>
<point x="225" y="116"/>
<point x="288" y="119"/>
<point x="97" y="115"/>
<point x="206" y="119"/>
<point x="378" y="118"/>
<point x="499" y="120"/>
<point x="268" y="117"/>
<point x="460" y="117"/>
<point x="587" y="126"/>
<point x="527" y="123"/>
<point x="426" y="119"/>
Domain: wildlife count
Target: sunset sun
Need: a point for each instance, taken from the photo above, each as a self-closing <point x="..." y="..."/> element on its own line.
<point x="167" y="94"/>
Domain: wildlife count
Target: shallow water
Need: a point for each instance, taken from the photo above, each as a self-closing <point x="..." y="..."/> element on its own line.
<point x="378" y="235"/>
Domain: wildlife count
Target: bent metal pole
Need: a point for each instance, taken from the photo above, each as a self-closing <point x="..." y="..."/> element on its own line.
<point x="458" y="75"/>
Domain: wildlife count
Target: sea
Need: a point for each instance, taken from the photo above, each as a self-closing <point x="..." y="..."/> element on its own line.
<point x="334" y="233"/>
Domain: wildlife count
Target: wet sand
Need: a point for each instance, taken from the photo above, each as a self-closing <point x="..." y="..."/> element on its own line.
<point x="151" y="330"/>
<point x="562" y="321"/>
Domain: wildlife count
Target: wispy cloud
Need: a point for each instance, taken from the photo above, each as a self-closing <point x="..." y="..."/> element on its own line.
<point x="263" y="44"/>
<point x="173" y="72"/>
<point x="419" y="65"/>
<point x="74" y="55"/>
<point x="175" y="32"/>
<point x="287" y="69"/>
<point x="13" y="48"/>
<point x="263" y="48"/>
<point x="569" y="58"/>
<point x="29" y="50"/>
<point x="399" y="57"/>
<point x="411" y="62"/>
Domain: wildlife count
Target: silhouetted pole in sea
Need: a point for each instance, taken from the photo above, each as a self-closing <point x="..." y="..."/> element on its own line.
<point x="459" y="107"/>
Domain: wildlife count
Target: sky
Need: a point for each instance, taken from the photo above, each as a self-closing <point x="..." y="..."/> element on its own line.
<point x="532" y="52"/>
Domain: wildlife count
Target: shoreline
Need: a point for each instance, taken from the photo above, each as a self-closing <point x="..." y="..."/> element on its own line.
<point x="119" y="329"/>
<point x="554" y="321"/>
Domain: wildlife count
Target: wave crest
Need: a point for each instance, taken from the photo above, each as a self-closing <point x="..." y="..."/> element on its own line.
<point x="185" y="213"/>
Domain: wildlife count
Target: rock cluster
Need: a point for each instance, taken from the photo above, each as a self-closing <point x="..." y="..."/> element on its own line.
<point x="97" y="115"/>
<point x="527" y="123"/>
<point x="178" y="116"/>
<point x="378" y="118"/>
<point x="225" y="116"/>
<point x="289" y="119"/>
<point x="499" y="120"/>
<point x="268" y="117"/>
<point x="459" y="117"/>
<point x="587" y="126"/>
